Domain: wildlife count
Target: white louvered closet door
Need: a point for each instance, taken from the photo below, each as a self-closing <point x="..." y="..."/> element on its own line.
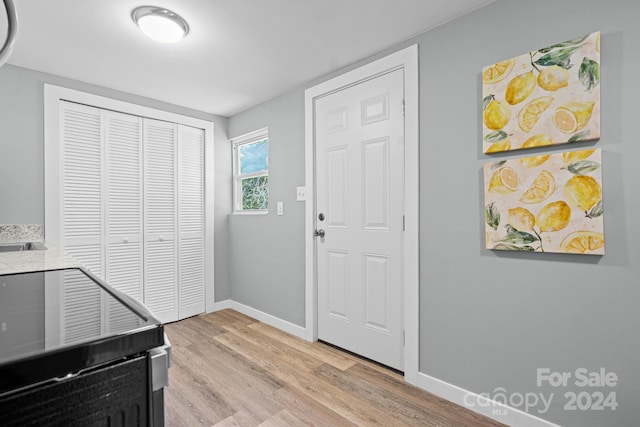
<point x="82" y="218"/>
<point x="124" y="210"/>
<point x="160" y="250"/>
<point x="191" y="221"/>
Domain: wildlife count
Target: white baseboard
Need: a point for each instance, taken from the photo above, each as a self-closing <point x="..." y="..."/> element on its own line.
<point x="480" y="404"/>
<point x="270" y="320"/>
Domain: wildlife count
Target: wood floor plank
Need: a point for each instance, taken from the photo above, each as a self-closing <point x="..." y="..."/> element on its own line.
<point x="391" y="373"/>
<point x="178" y="415"/>
<point x="245" y="389"/>
<point x="202" y="401"/>
<point x="377" y="396"/>
<point x="309" y="410"/>
<point x="288" y="354"/>
<point x="229" y="317"/>
<point x="283" y="418"/>
<point x="351" y="408"/>
<point x="231" y="370"/>
<point x="417" y="397"/>
<point x="242" y="384"/>
<point x="316" y="349"/>
<point x="239" y="419"/>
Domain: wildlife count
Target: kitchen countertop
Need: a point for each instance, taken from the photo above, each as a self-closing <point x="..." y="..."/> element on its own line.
<point x="48" y="259"/>
<point x="52" y="258"/>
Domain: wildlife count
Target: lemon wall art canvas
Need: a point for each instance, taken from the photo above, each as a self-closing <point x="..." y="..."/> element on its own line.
<point x="545" y="203"/>
<point x="545" y="97"/>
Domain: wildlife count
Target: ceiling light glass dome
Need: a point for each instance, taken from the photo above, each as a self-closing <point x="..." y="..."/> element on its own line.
<point x="160" y="24"/>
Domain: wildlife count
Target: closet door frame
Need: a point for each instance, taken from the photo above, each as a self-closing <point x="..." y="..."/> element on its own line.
<point x="53" y="167"/>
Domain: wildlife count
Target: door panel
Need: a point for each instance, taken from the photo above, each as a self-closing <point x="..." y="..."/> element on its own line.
<point x="376" y="291"/>
<point x="337" y="205"/>
<point x="375" y="184"/>
<point x="338" y="284"/>
<point x="191" y="261"/>
<point x="123" y="153"/>
<point x="360" y="166"/>
<point x="160" y="250"/>
<point x="82" y="190"/>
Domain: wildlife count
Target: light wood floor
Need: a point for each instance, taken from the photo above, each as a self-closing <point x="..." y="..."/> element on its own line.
<point x="231" y="370"/>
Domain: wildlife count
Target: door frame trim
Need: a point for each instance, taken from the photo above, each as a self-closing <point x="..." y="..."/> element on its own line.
<point x="407" y="60"/>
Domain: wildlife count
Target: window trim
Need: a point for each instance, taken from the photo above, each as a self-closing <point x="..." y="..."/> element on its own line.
<point x="248" y="138"/>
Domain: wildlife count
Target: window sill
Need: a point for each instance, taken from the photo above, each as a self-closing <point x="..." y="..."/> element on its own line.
<point x="256" y="212"/>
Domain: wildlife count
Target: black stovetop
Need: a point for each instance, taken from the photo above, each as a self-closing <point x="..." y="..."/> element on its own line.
<point x="59" y="322"/>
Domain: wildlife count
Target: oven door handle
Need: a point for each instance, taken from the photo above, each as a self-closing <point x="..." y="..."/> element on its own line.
<point x="160" y="364"/>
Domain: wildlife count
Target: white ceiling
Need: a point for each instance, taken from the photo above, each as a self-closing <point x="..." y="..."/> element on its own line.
<point x="238" y="53"/>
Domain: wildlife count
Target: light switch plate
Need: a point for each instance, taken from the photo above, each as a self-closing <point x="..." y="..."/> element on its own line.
<point x="301" y="194"/>
<point x="280" y="208"/>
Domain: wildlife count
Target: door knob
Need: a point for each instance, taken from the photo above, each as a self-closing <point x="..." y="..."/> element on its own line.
<point x="319" y="233"/>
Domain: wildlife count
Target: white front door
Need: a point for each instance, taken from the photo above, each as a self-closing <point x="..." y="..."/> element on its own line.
<point x="359" y="136"/>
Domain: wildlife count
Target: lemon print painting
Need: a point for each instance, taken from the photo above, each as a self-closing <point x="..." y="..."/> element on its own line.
<point x="545" y="203"/>
<point x="553" y="91"/>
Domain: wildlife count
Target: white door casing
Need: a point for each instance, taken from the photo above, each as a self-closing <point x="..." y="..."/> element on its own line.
<point x="407" y="60"/>
<point x="359" y="192"/>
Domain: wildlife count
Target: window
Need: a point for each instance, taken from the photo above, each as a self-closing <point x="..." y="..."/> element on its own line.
<point x="251" y="172"/>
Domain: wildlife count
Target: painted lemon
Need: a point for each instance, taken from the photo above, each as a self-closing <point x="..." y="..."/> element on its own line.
<point x="539" y="140"/>
<point x="496" y="115"/>
<point x="583" y="191"/>
<point x="553" y="78"/>
<point x="542" y="187"/>
<point x="520" y="87"/>
<point x="497" y="71"/>
<point x="575" y="156"/>
<point x="504" y="145"/>
<point x="521" y="219"/>
<point x="554" y="216"/>
<point x="573" y="116"/>
<point x="580" y="242"/>
<point x="504" y="180"/>
<point x="529" y="115"/>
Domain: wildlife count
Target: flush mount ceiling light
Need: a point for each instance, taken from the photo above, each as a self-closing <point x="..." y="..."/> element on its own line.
<point x="160" y="24"/>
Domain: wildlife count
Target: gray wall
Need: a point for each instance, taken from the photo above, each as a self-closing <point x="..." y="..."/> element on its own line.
<point x="22" y="154"/>
<point x="267" y="251"/>
<point x="487" y="319"/>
